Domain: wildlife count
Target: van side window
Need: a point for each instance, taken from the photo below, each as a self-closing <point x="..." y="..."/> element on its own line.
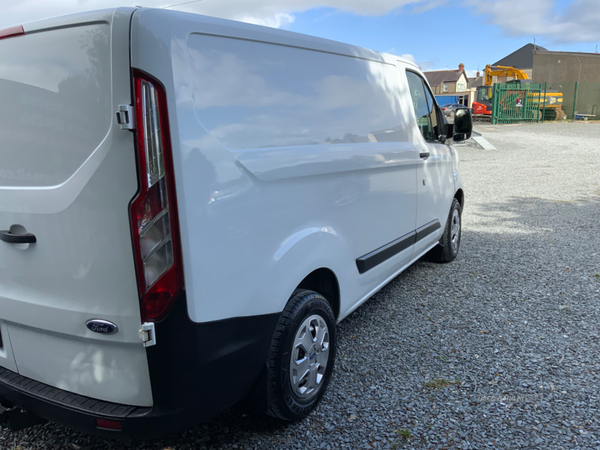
<point x="423" y="104"/>
<point x="432" y="110"/>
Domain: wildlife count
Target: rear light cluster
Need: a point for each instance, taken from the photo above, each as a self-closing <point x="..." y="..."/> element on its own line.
<point x="154" y="220"/>
<point x="12" y="31"/>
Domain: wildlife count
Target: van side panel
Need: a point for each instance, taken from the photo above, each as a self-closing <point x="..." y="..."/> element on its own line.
<point x="68" y="175"/>
<point x="292" y="152"/>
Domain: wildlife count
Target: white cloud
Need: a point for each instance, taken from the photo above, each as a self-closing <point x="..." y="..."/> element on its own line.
<point x="578" y="22"/>
<point x="279" y="20"/>
<point x="409" y="57"/>
<point x="274" y="13"/>
<point x="423" y="64"/>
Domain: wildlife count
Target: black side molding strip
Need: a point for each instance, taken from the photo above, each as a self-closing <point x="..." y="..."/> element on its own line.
<point x="427" y="229"/>
<point x="377" y="256"/>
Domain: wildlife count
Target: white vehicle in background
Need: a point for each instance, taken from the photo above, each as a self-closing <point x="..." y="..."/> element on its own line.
<point x="189" y="205"/>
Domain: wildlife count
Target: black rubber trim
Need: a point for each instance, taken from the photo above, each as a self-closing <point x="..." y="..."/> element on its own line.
<point x="200" y="369"/>
<point x="379" y="255"/>
<point x="427" y="229"/>
<point x="63" y="398"/>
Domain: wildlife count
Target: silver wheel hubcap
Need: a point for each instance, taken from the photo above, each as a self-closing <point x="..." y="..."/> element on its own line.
<point x="455" y="230"/>
<point x="310" y="354"/>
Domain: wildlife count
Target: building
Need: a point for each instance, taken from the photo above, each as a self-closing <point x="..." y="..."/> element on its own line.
<point x="472" y="85"/>
<point x="521" y="59"/>
<point x="562" y="70"/>
<point x="450" y="82"/>
<point x="447" y="81"/>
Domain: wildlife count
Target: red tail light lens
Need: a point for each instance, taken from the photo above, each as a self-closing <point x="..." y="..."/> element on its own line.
<point x="12" y="31"/>
<point x="154" y="219"/>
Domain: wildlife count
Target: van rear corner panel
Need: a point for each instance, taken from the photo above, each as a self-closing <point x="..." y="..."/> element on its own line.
<point x="68" y="175"/>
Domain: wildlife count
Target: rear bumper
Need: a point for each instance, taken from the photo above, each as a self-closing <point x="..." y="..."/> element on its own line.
<point x="196" y="370"/>
<point x="61" y="406"/>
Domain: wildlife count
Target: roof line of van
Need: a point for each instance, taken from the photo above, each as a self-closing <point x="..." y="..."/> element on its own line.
<point x="80" y="18"/>
<point x="214" y="26"/>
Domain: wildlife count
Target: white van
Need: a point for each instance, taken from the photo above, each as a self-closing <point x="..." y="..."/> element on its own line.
<point x="188" y="205"/>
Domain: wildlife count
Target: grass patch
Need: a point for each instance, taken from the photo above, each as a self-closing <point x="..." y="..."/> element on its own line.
<point x="440" y="383"/>
<point x="404" y="433"/>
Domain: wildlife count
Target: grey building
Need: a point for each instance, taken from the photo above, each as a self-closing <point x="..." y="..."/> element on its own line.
<point x="521" y="59"/>
<point x="562" y="70"/>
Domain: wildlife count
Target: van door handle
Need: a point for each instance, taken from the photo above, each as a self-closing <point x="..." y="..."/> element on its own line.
<point x="425" y="155"/>
<point x="7" y="236"/>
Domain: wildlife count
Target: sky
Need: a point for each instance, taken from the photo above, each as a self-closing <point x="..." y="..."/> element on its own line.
<point x="437" y="34"/>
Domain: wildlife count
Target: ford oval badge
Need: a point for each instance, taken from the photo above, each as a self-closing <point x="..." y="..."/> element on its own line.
<point x="101" y="326"/>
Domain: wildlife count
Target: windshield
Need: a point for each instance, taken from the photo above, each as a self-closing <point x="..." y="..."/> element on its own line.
<point x="484" y="93"/>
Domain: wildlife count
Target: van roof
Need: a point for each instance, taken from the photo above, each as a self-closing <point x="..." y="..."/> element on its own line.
<point x="214" y="25"/>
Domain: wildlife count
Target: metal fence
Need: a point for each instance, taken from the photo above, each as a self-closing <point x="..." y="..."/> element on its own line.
<point x="516" y="102"/>
<point x="581" y="100"/>
<point x="549" y="101"/>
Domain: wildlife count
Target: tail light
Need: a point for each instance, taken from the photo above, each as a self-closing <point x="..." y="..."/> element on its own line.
<point x="154" y="219"/>
<point x="443" y="109"/>
<point x="12" y="31"/>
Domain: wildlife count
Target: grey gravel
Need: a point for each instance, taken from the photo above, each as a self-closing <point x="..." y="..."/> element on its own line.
<point x="508" y="333"/>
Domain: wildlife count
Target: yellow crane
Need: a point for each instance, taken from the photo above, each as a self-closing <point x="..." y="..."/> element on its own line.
<point x="502" y="71"/>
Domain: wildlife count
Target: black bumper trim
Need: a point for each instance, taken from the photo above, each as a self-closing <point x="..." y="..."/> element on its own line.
<point x="64" y="399"/>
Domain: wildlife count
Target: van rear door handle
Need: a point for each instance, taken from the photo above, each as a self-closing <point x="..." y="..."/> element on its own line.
<point x="425" y="155"/>
<point x="7" y="236"/>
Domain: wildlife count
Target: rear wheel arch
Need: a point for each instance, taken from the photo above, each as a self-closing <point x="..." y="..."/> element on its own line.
<point x="325" y="282"/>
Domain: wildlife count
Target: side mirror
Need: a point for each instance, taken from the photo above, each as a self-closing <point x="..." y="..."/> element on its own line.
<point x="463" y="124"/>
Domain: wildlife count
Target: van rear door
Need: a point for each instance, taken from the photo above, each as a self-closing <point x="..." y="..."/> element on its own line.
<point x="67" y="176"/>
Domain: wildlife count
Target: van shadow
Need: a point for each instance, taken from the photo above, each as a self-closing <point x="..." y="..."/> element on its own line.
<point x="518" y="235"/>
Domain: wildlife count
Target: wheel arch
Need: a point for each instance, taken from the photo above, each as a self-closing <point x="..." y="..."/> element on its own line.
<point x="460" y="196"/>
<point x="325" y="282"/>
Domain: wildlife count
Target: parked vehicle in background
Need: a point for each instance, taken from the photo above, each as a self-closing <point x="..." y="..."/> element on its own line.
<point x="450" y="109"/>
<point x="190" y="205"/>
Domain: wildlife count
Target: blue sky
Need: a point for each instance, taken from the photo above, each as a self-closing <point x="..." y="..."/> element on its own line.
<point x="438" y="38"/>
<point x="437" y="34"/>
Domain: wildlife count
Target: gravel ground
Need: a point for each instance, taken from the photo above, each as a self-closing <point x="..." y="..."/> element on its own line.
<point x="499" y="349"/>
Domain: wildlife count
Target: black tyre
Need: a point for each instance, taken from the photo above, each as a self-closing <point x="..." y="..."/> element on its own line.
<point x="302" y="356"/>
<point x="450" y="242"/>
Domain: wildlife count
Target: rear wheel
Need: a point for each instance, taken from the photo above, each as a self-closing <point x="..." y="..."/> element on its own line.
<point x="450" y="242"/>
<point x="302" y="355"/>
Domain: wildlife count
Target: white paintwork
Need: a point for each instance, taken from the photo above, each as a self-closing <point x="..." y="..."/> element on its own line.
<point x="485" y="144"/>
<point x="291" y="153"/>
<point x="68" y="173"/>
<point x="264" y="199"/>
<point x="7" y="358"/>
